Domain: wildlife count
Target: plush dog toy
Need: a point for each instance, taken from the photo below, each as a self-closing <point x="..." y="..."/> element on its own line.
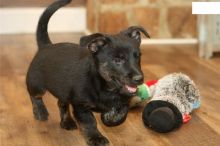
<point x="173" y="98"/>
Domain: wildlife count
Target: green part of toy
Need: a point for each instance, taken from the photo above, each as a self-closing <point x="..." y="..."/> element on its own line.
<point x="142" y="92"/>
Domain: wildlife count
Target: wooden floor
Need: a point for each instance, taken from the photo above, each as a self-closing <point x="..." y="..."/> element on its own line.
<point x="18" y="127"/>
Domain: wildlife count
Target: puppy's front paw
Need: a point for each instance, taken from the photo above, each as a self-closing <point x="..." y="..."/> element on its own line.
<point x="114" y="117"/>
<point x="68" y="124"/>
<point x="98" y="140"/>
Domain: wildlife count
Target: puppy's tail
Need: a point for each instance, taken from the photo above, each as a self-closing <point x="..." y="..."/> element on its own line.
<point x="42" y="34"/>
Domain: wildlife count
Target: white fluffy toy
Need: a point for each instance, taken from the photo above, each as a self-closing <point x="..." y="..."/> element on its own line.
<point x="172" y="99"/>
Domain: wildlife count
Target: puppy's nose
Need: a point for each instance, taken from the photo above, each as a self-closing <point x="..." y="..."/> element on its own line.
<point x="138" y="79"/>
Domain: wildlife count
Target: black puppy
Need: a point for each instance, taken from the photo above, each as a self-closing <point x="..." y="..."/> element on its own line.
<point x="100" y="74"/>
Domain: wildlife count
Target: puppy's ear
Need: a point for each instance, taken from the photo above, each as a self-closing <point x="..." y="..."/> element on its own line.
<point x="134" y="32"/>
<point x="93" y="42"/>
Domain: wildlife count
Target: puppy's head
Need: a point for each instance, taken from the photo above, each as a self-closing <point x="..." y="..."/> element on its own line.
<point x="117" y="57"/>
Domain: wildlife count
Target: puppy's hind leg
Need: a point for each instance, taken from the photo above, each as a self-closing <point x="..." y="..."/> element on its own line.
<point x="39" y="109"/>
<point x="67" y="121"/>
<point x="36" y="91"/>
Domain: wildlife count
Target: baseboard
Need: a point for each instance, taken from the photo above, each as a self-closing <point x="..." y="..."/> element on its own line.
<point x="172" y="41"/>
<point x="24" y="20"/>
<point x="161" y="41"/>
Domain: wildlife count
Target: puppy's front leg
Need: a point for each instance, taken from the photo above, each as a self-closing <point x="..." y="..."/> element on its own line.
<point x="87" y="123"/>
<point x="115" y="116"/>
<point x="67" y="121"/>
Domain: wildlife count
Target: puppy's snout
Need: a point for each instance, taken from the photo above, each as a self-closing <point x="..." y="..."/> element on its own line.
<point x="138" y="79"/>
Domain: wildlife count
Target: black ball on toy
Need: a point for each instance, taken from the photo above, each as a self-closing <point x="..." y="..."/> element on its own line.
<point x="161" y="116"/>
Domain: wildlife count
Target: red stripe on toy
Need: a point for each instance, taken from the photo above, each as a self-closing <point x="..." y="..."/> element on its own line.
<point x="151" y="82"/>
<point x="186" y="118"/>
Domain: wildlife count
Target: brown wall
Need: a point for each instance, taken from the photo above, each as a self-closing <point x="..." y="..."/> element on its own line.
<point x="162" y="18"/>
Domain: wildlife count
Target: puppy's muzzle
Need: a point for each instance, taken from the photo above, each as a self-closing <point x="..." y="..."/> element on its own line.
<point x="137" y="79"/>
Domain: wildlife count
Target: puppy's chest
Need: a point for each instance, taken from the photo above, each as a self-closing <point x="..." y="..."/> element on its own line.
<point x="106" y="101"/>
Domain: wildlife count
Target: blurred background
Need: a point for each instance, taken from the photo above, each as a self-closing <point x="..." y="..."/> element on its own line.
<point x="167" y="21"/>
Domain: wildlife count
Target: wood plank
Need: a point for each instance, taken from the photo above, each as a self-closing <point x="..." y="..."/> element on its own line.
<point x="18" y="127"/>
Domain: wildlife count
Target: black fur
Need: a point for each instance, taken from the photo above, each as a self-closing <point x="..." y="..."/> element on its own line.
<point x="90" y="76"/>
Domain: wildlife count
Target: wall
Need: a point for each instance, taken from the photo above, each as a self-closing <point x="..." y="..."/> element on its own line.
<point x="21" y="16"/>
<point x="37" y="3"/>
<point x="162" y="18"/>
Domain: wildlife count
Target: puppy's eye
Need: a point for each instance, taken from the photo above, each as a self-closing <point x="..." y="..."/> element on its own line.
<point x="136" y="54"/>
<point x="119" y="60"/>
